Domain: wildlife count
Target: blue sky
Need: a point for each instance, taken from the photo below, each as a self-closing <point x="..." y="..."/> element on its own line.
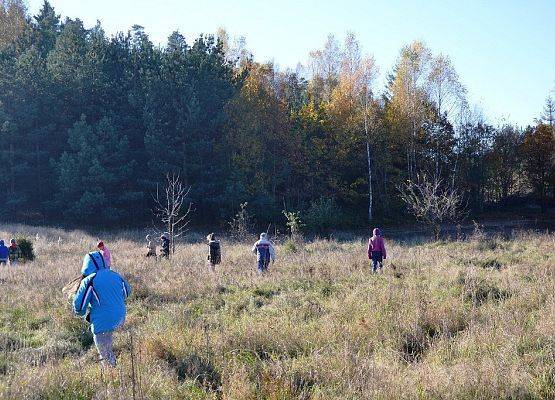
<point x="503" y="50"/>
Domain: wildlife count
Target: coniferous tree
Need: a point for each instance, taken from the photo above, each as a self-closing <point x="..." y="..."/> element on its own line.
<point x="93" y="176"/>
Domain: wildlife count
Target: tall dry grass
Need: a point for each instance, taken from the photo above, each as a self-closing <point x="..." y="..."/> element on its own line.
<point x="473" y="319"/>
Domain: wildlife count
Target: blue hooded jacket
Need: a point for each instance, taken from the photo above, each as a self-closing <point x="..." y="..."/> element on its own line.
<point x="4" y="252"/>
<point x="105" y="291"/>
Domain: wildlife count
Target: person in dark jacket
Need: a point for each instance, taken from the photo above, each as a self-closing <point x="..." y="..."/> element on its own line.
<point x="14" y="252"/>
<point x="165" y="252"/>
<point x="4" y="253"/>
<point x="214" y="251"/>
<point x="102" y="293"/>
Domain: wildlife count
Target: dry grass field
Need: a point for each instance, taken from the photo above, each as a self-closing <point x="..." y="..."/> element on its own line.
<point x="472" y="319"/>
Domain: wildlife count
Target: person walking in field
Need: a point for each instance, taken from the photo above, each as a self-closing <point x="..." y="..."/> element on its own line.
<point x="14" y="252"/>
<point x="102" y="293"/>
<point x="4" y="253"/>
<point x="165" y="253"/>
<point x="151" y="247"/>
<point x="214" y="251"/>
<point x="376" y="250"/>
<point x="265" y="252"/>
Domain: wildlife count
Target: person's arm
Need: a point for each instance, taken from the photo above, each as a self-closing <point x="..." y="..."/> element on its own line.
<point x="383" y="249"/>
<point x="369" y="249"/>
<point x="272" y="252"/>
<point x="254" y="248"/>
<point x="83" y="296"/>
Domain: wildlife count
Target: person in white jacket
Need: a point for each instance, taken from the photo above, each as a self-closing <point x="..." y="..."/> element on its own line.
<point x="264" y="251"/>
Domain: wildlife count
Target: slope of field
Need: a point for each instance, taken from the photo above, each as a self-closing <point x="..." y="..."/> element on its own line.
<point x="473" y="319"/>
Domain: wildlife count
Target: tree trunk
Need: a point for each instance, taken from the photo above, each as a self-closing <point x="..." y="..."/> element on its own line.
<point x="368" y="158"/>
<point x="437" y="231"/>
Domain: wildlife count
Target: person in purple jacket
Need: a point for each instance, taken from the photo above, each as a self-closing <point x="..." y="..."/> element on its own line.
<point x="376" y="250"/>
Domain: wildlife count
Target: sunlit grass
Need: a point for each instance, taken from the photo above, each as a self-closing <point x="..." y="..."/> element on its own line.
<point x="450" y="320"/>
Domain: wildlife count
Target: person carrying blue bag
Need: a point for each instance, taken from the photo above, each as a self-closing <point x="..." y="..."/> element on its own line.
<point x="102" y="293"/>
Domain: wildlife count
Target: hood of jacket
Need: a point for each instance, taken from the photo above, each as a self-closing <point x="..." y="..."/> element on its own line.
<point x="92" y="262"/>
<point x="377" y="232"/>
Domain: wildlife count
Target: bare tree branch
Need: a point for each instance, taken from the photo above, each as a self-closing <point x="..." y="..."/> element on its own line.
<point x="429" y="201"/>
<point x="168" y="208"/>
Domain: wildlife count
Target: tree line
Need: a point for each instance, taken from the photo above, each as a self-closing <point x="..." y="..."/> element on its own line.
<point x="90" y="125"/>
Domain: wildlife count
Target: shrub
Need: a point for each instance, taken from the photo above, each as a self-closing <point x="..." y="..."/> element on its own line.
<point x="323" y="215"/>
<point x="240" y="225"/>
<point x="26" y="247"/>
<point x="290" y="246"/>
<point x="294" y="224"/>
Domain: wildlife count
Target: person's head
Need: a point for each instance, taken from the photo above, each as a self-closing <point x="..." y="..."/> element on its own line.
<point x="13" y="242"/>
<point x="263" y="236"/>
<point x="163" y="236"/>
<point x="92" y="262"/>
<point x="377" y="232"/>
<point x="100" y="245"/>
<point x="211" y="236"/>
<point x="148" y="237"/>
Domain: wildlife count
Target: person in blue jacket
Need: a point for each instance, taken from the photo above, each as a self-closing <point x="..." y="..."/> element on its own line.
<point x="4" y="253"/>
<point x="102" y="292"/>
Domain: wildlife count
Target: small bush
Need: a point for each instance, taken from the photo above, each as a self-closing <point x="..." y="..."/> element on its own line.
<point x="241" y="225"/>
<point x="290" y="246"/>
<point x="26" y="247"/>
<point x="323" y="215"/>
<point x="294" y="224"/>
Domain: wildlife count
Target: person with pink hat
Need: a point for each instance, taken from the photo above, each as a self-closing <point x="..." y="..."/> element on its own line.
<point x="105" y="253"/>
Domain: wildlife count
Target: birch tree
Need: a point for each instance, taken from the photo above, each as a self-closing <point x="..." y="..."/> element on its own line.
<point x="409" y="96"/>
<point x="365" y="77"/>
<point x="324" y="66"/>
<point x="444" y="87"/>
<point x="358" y="76"/>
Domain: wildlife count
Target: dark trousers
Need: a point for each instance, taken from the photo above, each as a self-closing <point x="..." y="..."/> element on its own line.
<point x="263" y="264"/>
<point x="377" y="260"/>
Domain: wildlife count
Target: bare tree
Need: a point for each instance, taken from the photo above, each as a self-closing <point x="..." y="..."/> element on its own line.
<point x="431" y="202"/>
<point x="168" y="208"/>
